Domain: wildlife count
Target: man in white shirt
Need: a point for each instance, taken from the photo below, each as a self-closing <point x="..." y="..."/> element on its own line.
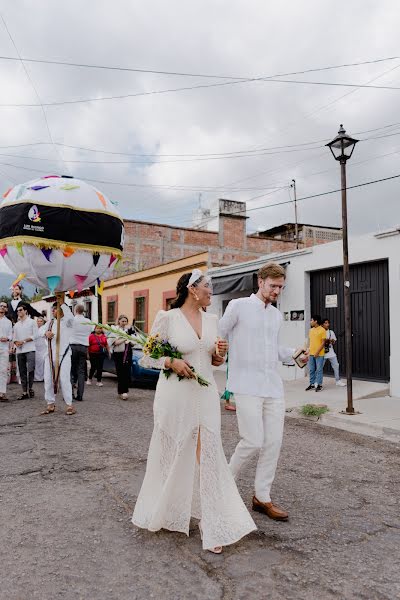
<point x="330" y="353"/>
<point x="64" y="374"/>
<point x="79" y="346"/>
<point x="25" y="332"/>
<point x="252" y="327"/>
<point x="5" y="338"/>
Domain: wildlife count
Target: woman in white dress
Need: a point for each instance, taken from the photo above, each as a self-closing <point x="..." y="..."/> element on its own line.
<point x="187" y="474"/>
<point x="41" y="350"/>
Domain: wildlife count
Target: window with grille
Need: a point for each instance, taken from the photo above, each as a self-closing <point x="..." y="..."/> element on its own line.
<point x="140" y="312"/>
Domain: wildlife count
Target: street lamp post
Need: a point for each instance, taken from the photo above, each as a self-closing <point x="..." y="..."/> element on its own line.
<point x="342" y="147"/>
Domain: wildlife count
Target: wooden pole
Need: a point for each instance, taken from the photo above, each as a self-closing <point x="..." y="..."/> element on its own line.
<point x="60" y="300"/>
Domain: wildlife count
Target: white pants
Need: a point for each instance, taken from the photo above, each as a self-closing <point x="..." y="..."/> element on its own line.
<point x="64" y="380"/>
<point x="4" y="360"/>
<point x="260" y="422"/>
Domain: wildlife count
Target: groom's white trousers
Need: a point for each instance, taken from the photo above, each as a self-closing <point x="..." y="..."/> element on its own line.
<point x="260" y="422"/>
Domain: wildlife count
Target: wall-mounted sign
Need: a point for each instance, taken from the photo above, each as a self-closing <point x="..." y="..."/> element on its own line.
<point x="331" y="301"/>
<point x="297" y="315"/>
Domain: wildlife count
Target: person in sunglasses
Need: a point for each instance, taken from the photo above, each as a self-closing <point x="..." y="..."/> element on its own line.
<point x="25" y="333"/>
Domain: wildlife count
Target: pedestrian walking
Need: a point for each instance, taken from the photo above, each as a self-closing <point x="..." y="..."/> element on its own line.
<point x="252" y="327"/>
<point x="98" y="350"/>
<point x="317" y="337"/>
<point x="40" y="349"/>
<point x="5" y="339"/>
<point x="63" y="376"/>
<point x="330" y="353"/>
<point x="24" y="335"/>
<point x="122" y="355"/>
<point x="187" y="474"/>
<point x="79" y="346"/>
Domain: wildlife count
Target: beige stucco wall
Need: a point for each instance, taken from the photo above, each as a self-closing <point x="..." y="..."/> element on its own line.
<point x="154" y="282"/>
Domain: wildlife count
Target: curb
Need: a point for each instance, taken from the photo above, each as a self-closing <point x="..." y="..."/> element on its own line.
<point x="348" y="423"/>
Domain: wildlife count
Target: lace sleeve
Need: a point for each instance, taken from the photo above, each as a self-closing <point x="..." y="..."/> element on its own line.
<point x="160" y="326"/>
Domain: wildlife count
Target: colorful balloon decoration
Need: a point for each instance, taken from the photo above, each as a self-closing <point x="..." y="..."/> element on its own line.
<point x="60" y="233"/>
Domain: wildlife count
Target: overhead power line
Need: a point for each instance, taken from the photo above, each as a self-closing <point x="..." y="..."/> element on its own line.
<point x="231" y="81"/>
<point x="319" y="195"/>
<point x="33" y="87"/>
<point x="184" y="74"/>
<point x="205" y="154"/>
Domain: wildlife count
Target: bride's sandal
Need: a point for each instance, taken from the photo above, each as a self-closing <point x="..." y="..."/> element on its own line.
<point x="217" y="549"/>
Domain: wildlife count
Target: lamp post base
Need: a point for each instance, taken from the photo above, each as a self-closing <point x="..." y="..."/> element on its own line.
<point x="350" y="412"/>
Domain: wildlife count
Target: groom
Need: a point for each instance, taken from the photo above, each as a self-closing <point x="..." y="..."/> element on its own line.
<point x="252" y="326"/>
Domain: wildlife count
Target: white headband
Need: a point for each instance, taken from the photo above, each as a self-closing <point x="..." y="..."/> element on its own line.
<point x="195" y="276"/>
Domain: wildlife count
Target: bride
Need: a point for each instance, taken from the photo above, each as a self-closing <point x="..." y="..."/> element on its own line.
<point x="187" y="474"/>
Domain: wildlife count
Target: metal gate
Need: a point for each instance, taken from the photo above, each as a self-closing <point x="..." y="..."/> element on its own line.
<point x="369" y="312"/>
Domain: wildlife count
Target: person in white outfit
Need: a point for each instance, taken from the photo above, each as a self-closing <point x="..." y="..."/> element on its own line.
<point x="41" y="350"/>
<point x="330" y="353"/>
<point x="252" y="327"/>
<point x="79" y="347"/>
<point x="24" y="335"/>
<point x="187" y="474"/>
<point x="5" y="338"/>
<point x="64" y="375"/>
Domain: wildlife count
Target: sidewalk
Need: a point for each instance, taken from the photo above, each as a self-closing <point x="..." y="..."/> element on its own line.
<point x="379" y="413"/>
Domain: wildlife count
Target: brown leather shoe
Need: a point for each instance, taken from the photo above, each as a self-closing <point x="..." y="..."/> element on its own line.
<point x="271" y="510"/>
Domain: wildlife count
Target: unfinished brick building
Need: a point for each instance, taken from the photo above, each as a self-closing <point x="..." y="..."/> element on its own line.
<point x="149" y="244"/>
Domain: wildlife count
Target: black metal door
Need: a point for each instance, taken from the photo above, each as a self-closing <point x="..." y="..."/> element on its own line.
<point x="370" y="315"/>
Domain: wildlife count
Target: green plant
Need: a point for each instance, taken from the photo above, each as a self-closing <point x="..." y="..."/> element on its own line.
<point x="313" y="410"/>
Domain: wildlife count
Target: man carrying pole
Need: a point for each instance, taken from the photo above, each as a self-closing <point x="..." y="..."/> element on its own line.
<point x="57" y="369"/>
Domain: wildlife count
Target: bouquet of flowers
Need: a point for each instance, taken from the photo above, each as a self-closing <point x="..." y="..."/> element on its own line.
<point x="154" y="347"/>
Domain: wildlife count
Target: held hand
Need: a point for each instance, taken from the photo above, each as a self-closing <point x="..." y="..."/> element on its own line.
<point x="180" y="367"/>
<point x="217" y="360"/>
<point x="221" y="347"/>
<point x="18" y="344"/>
<point x="49" y="335"/>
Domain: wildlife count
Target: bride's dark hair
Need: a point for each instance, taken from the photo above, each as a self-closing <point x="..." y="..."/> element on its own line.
<point x="182" y="290"/>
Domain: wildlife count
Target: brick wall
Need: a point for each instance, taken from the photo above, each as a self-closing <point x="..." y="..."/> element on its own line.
<point x="149" y="244"/>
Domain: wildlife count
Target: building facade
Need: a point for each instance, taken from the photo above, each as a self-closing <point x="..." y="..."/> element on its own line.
<point x="141" y="295"/>
<point x="148" y="244"/>
<point x="314" y="284"/>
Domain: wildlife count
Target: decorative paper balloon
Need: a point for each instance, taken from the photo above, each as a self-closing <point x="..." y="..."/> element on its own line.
<point x="60" y="232"/>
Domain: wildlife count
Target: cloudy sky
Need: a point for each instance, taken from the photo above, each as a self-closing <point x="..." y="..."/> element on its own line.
<point x="229" y="137"/>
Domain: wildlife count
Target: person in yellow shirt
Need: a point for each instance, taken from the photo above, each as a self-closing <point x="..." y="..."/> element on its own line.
<point x="316" y="336"/>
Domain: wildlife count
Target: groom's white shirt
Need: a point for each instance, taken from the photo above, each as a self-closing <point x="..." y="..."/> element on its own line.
<point x="252" y="329"/>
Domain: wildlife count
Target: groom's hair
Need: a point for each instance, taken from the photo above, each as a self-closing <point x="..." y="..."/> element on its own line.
<point x="272" y="270"/>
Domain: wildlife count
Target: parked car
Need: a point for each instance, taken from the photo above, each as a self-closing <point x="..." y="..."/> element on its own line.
<point x="140" y="376"/>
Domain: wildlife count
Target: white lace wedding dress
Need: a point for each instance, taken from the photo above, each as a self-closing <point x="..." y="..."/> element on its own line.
<point x="175" y="487"/>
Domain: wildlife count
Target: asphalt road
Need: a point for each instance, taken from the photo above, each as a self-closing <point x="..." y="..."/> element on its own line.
<point x="68" y="486"/>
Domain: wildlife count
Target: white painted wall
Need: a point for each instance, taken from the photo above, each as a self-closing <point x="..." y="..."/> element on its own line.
<point x="297" y="290"/>
<point x="42" y="305"/>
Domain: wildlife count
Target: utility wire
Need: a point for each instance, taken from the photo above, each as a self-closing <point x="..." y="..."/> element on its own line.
<point x="206" y="154"/>
<point x="33" y="87"/>
<point x="232" y="81"/>
<point x="319" y="195"/>
<point x="202" y="86"/>
<point x="207" y="76"/>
